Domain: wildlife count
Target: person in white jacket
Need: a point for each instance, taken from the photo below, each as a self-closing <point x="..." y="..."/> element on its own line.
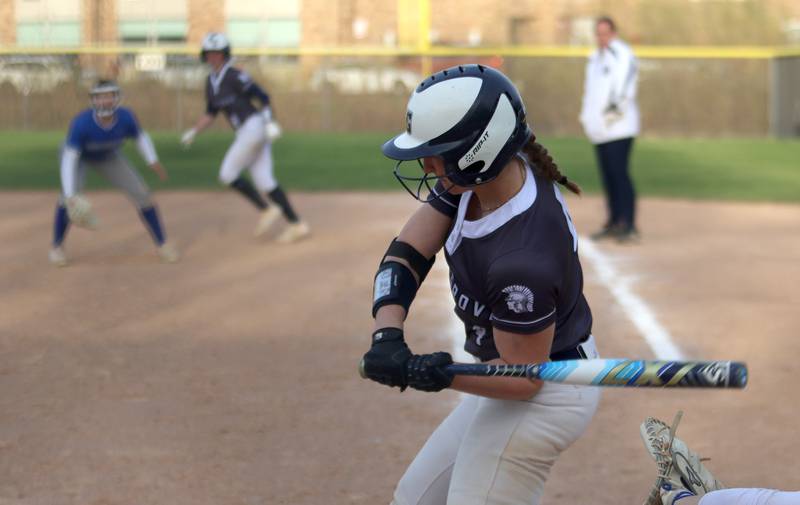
<point x="610" y="118"/>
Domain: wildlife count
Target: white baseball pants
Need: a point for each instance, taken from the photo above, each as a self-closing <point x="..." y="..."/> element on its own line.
<point x="750" y="497"/>
<point x="493" y="452"/>
<point x="250" y="149"/>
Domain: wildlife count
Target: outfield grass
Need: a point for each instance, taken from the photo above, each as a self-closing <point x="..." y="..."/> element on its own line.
<point x="731" y="169"/>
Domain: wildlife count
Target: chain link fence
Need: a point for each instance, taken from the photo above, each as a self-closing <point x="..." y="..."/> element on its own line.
<point x="707" y="97"/>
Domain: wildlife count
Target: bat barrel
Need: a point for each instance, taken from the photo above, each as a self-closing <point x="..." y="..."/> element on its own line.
<point x="738" y="375"/>
<point x="617" y="372"/>
<point x="620" y="373"/>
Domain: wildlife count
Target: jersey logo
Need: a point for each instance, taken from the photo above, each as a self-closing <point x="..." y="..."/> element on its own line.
<point x="519" y="298"/>
<point x="244" y="77"/>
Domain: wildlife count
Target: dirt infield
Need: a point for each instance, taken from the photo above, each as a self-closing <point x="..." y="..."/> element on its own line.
<point x="229" y="378"/>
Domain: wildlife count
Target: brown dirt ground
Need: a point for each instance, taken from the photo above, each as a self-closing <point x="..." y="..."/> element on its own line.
<point x="229" y="378"/>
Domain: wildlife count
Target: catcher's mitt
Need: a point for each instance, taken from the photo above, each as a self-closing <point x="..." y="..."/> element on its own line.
<point x="680" y="471"/>
<point x="79" y="210"/>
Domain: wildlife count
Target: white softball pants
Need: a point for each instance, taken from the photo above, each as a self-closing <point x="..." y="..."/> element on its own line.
<point x="750" y="497"/>
<point x="250" y="149"/>
<point x="497" y="452"/>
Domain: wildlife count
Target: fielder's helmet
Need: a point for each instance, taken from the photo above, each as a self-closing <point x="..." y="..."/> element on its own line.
<point x="471" y="116"/>
<point x="215" y="41"/>
<point x="105" y="86"/>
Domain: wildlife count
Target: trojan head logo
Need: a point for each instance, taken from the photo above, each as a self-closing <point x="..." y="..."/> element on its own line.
<point x="408" y="122"/>
<point x="519" y="298"/>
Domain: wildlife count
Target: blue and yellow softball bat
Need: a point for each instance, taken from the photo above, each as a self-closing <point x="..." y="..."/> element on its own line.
<point x="617" y="372"/>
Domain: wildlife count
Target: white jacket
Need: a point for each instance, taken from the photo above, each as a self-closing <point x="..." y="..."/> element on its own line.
<point x="611" y="79"/>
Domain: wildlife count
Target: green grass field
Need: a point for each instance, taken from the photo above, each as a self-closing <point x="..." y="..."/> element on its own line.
<point x="730" y="169"/>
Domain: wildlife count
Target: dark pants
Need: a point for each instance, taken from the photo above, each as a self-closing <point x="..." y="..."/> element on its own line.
<point x="620" y="196"/>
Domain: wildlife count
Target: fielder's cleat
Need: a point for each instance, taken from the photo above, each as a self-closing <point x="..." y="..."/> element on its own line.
<point x="57" y="257"/>
<point x="681" y="472"/>
<point x="294" y="232"/>
<point x="267" y="219"/>
<point x="168" y="253"/>
<point x="671" y="493"/>
<point x="630" y="236"/>
<point x="606" y="232"/>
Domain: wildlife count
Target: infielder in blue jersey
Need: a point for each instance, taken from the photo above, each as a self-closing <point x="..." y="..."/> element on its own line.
<point x="94" y="140"/>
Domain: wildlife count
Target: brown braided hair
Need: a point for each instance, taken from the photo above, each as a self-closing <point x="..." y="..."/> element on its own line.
<point x="544" y="166"/>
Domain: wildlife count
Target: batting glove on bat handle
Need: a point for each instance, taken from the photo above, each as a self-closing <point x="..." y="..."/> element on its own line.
<point x="428" y="372"/>
<point x="385" y="362"/>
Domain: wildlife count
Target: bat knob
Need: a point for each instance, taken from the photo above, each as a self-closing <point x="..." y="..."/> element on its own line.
<point x="361" y="371"/>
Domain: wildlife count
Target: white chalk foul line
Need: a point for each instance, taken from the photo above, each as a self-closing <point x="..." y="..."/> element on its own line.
<point x="656" y="336"/>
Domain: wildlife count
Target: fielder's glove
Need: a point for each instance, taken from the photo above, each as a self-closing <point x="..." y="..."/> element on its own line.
<point x="680" y="471"/>
<point x="79" y="210"/>
<point x="425" y="372"/>
<point x="385" y="362"/>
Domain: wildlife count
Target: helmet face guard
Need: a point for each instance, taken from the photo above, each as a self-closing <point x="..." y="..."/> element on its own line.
<point x="225" y="52"/>
<point x="99" y="105"/>
<point x="409" y="182"/>
<point x="470" y="116"/>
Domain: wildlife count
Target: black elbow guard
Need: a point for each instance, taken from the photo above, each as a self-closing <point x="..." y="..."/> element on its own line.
<point x="419" y="264"/>
<point x="394" y="285"/>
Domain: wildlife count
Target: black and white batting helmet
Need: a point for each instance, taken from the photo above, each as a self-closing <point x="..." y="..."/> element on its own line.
<point x="471" y="116"/>
<point x="215" y="41"/>
<point x="101" y="108"/>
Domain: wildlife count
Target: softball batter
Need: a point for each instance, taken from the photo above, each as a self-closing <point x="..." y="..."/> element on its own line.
<point x="232" y="91"/>
<point x="516" y="282"/>
<point x="94" y="140"/>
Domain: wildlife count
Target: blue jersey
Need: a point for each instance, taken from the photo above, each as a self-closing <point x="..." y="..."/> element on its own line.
<point x="94" y="142"/>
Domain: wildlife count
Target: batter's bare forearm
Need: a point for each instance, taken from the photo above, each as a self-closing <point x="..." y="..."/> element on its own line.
<point x="426" y="230"/>
<point x="501" y="388"/>
<point x="390" y="316"/>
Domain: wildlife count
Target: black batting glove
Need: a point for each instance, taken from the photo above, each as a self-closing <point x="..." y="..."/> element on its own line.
<point x="426" y="372"/>
<point x="385" y="362"/>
